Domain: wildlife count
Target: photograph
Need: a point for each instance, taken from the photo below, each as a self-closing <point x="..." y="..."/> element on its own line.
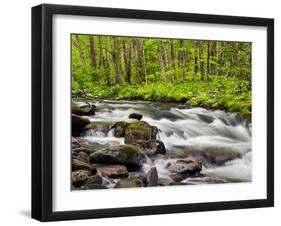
<point x="150" y="111"/>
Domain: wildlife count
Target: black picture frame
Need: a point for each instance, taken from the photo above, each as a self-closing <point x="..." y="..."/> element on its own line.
<point x="42" y="111"/>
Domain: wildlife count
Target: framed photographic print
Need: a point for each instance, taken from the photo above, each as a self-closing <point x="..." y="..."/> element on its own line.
<point x="146" y="112"/>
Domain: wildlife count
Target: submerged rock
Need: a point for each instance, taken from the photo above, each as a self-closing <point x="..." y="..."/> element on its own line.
<point x="128" y="155"/>
<point x="135" y="116"/>
<point x="189" y="166"/>
<point x="97" y="128"/>
<point x="113" y="171"/>
<point x="151" y="147"/>
<point x="78" y="177"/>
<point x="128" y="183"/>
<point x="214" y="156"/>
<point x="120" y="128"/>
<point x="140" y="131"/>
<point x="152" y="177"/>
<point x="87" y="109"/>
<point x="78" y="124"/>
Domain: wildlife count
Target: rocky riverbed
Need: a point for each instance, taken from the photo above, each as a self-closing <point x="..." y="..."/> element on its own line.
<point x="122" y="144"/>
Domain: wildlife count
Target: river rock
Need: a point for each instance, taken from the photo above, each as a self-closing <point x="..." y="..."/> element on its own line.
<point x="86" y="109"/>
<point x="152" y="177"/>
<point x="120" y="128"/>
<point x="151" y="147"/>
<point x="140" y="177"/>
<point x="113" y="171"/>
<point x="128" y="183"/>
<point x="189" y="166"/>
<point x="83" y="156"/>
<point x="135" y="116"/>
<point x="78" y="124"/>
<point x="78" y="177"/>
<point x="80" y="165"/>
<point x="140" y="131"/>
<point x="74" y="143"/>
<point x="98" y="128"/>
<point x="95" y="179"/>
<point x="127" y="155"/>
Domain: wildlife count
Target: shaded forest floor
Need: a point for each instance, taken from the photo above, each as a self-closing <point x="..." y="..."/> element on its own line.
<point x="231" y="94"/>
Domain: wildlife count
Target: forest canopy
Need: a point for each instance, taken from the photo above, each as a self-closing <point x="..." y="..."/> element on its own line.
<point x="211" y="74"/>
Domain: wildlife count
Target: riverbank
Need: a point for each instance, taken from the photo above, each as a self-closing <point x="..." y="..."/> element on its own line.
<point x="219" y="93"/>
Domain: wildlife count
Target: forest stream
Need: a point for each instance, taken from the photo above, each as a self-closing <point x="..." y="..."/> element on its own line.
<point x="190" y="145"/>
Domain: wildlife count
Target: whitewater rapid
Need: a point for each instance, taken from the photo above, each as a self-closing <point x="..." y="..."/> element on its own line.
<point x="182" y="128"/>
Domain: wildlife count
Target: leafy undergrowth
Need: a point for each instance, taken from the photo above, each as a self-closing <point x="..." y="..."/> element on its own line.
<point x="231" y="94"/>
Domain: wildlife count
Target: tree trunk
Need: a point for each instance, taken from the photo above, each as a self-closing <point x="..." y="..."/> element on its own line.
<point x="92" y="54"/>
<point x="81" y="54"/>
<point x="139" y="59"/>
<point x="201" y="59"/>
<point x="116" y="60"/>
<point x="127" y="52"/>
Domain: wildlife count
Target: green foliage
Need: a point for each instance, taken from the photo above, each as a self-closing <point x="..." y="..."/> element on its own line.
<point x="210" y="74"/>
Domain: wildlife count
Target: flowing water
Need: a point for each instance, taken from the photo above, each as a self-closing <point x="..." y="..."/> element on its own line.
<point x="182" y="129"/>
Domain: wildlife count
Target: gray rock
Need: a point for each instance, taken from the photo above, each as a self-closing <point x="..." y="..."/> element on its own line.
<point x="152" y="177"/>
<point x="113" y="171"/>
<point x="151" y="147"/>
<point x="188" y="166"/>
<point x="127" y="155"/>
<point x="83" y="156"/>
<point x="80" y="165"/>
<point x="78" y="177"/>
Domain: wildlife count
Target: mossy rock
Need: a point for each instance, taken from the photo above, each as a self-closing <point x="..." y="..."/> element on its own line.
<point x="151" y="147"/>
<point x="140" y="131"/>
<point x="120" y="128"/>
<point x="127" y="155"/>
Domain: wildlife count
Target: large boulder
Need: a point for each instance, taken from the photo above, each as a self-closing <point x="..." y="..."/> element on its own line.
<point x="113" y="171"/>
<point x="135" y="116"/>
<point x="187" y="166"/>
<point x="79" y="177"/>
<point x="87" y="109"/>
<point x="80" y="165"/>
<point x="120" y="128"/>
<point x="78" y="124"/>
<point x="151" y="147"/>
<point x="128" y="155"/>
<point x="140" y="131"/>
